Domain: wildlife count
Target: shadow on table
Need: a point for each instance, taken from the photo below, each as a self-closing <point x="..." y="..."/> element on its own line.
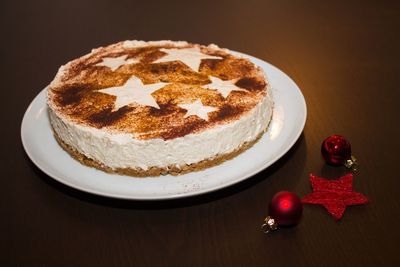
<point x="173" y="203"/>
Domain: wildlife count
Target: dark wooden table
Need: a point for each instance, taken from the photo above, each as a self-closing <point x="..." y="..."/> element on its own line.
<point x="344" y="55"/>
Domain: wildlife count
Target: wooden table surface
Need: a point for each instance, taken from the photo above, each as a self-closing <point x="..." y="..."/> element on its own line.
<point x="344" y="55"/>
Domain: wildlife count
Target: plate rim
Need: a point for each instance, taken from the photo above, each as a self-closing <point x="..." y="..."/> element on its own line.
<point x="229" y="183"/>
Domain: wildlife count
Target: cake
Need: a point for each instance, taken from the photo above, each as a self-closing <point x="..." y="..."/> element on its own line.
<point x="162" y="107"/>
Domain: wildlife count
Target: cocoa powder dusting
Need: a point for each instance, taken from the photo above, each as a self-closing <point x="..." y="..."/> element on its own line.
<point x="251" y="83"/>
<point x="108" y="117"/>
<point x="77" y="96"/>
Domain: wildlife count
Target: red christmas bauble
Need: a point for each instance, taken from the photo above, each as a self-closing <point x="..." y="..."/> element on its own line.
<point x="336" y="150"/>
<point x="286" y="208"/>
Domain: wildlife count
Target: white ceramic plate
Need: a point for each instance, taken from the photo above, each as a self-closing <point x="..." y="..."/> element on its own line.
<point x="287" y="124"/>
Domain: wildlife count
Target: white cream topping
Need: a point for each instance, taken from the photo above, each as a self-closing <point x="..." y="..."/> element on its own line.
<point x="223" y="87"/>
<point x="197" y="109"/>
<point x="134" y="91"/>
<point x="139" y="43"/>
<point x="119" y="150"/>
<point x="115" y="62"/>
<point x="191" y="57"/>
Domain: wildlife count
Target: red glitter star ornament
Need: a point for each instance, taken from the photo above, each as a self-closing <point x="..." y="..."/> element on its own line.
<point x="334" y="195"/>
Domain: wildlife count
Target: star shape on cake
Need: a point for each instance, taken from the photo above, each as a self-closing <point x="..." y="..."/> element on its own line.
<point x="115" y="62"/>
<point x="189" y="56"/>
<point x="334" y="195"/>
<point x="134" y="91"/>
<point x="197" y="109"/>
<point x="223" y="87"/>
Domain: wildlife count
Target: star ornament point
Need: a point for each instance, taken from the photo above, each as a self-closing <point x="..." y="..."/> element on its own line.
<point x="191" y="57"/>
<point x="134" y="91"/>
<point x="334" y="195"/>
<point x="115" y="62"/>
<point x="197" y="109"/>
<point x="223" y="87"/>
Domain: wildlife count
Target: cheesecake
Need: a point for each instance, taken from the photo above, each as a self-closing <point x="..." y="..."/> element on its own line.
<point x="161" y="107"/>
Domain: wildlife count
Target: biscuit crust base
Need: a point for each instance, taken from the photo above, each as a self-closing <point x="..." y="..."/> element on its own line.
<point x="156" y="171"/>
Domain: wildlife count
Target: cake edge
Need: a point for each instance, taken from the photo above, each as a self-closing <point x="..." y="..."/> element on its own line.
<point x="156" y="171"/>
